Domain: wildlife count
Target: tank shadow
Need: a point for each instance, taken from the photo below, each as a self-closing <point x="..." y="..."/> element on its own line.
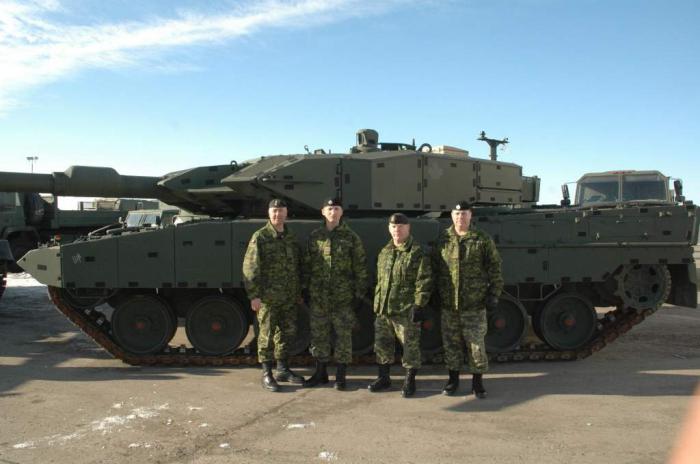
<point x="36" y="343"/>
<point x="513" y="384"/>
<point x="508" y="386"/>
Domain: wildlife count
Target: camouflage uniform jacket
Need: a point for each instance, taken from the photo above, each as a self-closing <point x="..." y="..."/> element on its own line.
<point x="467" y="269"/>
<point x="335" y="267"/>
<point x="403" y="278"/>
<point x="271" y="266"/>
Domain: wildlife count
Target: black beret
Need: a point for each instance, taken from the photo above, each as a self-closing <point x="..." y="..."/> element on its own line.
<point x="277" y="203"/>
<point x="332" y="202"/>
<point x="462" y="205"/>
<point x="398" y="218"/>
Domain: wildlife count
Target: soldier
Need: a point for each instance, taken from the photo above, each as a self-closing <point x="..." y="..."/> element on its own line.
<point x="468" y="277"/>
<point x="271" y="273"/>
<point x="403" y="290"/>
<point x="335" y="273"/>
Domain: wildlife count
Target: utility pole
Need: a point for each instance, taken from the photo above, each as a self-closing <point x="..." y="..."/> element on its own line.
<point x="31" y="160"/>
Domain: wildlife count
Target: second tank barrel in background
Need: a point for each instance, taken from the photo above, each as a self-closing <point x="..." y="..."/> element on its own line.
<point x="82" y="181"/>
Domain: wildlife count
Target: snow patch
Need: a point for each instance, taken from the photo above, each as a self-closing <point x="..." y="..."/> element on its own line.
<point x="328" y="456"/>
<point x="62" y="439"/>
<point x="22" y="280"/>
<point x="139" y="445"/>
<point x="300" y="426"/>
<point x="108" y="424"/>
<point x="26" y="444"/>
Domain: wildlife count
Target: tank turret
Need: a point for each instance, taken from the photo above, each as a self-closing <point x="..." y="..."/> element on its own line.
<point x="374" y="178"/>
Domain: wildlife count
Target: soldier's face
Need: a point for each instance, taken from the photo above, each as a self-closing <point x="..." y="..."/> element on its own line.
<point x="399" y="232"/>
<point x="332" y="214"/>
<point x="277" y="216"/>
<point x="461" y="218"/>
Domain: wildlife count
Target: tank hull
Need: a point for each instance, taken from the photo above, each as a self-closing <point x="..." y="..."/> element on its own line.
<point x="559" y="265"/>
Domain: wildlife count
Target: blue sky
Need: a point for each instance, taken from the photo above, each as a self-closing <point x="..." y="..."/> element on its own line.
<point x="155" y="86"/>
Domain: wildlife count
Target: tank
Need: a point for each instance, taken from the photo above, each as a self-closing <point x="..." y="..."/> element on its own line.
<point x="129" y="287"/>
<point x="28" y="219"/>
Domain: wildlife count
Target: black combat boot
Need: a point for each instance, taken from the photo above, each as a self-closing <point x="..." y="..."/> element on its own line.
<point x="340" y="376"/>
<point x="452" y="383"/>
<point x="409" y="383"/>
<point x="478" y="386"/>
<point x="268" y="381"/>
<point x="320" y="375"/>
<point x="285" y="374"/>
<point x="383" y="381"/>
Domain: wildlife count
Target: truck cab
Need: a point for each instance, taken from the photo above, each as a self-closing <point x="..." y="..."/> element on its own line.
<point x="614" y="187"/>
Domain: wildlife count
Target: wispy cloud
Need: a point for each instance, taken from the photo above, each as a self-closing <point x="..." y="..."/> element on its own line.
<point x="35" y="49"/>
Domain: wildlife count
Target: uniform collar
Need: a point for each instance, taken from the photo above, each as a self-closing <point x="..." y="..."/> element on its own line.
<point x="405" y="246"/>
<point x="342" y="226"/>
<point x="272" y="231"/>
<point x="453" y="233"/>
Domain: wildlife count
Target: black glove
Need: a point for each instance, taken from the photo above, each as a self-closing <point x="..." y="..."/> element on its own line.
<point x="491" y="302"/>
<point x="419" y="314"/>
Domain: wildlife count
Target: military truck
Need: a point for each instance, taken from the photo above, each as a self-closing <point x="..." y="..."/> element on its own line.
<point x="28" y="219"/>
<point x="625" y="187"/>
<point x="6" y="259"/>
<point x="559" y="262"/>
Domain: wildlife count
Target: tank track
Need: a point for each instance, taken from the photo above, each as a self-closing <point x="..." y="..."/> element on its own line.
<point x="611" y="326"/>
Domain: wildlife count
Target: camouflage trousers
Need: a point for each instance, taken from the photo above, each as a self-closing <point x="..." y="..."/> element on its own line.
<point x="277" y="324"/>
<point x="469" y="326"/>
<point x="324" y="321"/>
<point x="387" y="330"/>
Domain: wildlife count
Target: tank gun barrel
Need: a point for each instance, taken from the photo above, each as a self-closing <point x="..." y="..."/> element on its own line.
<point x="81" y="181"/>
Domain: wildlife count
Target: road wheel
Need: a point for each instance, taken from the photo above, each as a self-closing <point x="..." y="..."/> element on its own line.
<point x="143" y="324"/>
<point x="431" y="335"/>
<point x="507" y="325"/>
<point x="363" y="330"/>
<point x="216" y="325"/>
<point x="567" y="321"/>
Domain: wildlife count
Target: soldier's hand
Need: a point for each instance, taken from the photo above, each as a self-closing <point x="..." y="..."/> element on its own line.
<point x="419" y="314"/>
<point x="491" y="302"/>
<point x="255" y="304"/>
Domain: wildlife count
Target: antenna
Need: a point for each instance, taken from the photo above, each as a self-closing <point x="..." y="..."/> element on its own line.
<point x="493" y="144"/>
